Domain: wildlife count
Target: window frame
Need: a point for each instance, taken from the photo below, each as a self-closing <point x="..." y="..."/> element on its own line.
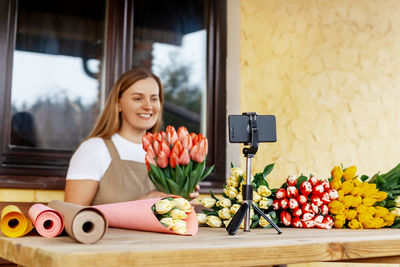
<point x="22" y="167"/>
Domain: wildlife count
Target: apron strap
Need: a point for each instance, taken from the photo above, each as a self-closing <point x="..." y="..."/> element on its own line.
<point x="111" y="149"/>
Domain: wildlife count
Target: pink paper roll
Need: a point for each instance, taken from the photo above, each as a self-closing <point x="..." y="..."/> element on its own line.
<point x="138" y="215"/>
<point x="47" y="221"/>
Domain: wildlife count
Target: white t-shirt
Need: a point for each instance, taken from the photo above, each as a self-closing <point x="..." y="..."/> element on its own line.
<point x="91" y="159"/>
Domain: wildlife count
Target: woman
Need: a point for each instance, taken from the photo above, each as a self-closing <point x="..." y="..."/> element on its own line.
<point x="109" y="166"/>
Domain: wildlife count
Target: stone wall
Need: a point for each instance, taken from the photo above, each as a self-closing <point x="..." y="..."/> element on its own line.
<point x="330" y="72"/>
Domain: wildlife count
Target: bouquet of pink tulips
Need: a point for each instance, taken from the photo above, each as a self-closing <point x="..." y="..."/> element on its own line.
<point x="176" y="160"/>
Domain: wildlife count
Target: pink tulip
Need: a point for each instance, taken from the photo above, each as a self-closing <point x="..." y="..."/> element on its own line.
<point x="172" y="136"/>
<point x="165" y="148"/>
<point x="184" y="157"/>
<point x="162" y="160"/>
<point x="174" y="160"/>
<point x="187" y="142"/>
<point x="194" y="138"/>
<point x="147" y="140"/>
<point x="196" y="154"/>
<point x="177" y="147"/>
<point x="163" y="135"/>
<point x="150" y="152"/>
<point x="182" y="133"/>
<point x="148" y="160"/>
<point x="157" y="146"/>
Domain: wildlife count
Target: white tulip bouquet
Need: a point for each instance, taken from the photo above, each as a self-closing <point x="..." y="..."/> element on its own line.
<point x="221" y="210"/>
<point x="172" y="212"/>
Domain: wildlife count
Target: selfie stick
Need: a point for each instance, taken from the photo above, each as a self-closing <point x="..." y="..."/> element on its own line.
<point x="247" y="189"/>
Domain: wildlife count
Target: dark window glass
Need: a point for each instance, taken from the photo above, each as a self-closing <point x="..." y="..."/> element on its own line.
<point x="56" y="76"/>
<point x="171" y="40"/>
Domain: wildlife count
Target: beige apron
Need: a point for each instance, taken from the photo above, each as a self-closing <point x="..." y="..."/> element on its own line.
<point x="124" y="180"/>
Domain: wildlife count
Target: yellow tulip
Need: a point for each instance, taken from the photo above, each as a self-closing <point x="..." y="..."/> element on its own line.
<point x="355" y="224"/>
<point x="356" y="191"/>
<point x="361" y="209"/>
<point x="371" y="211"/>
<point x="341" y="194"/>
<point x="347" y="186"/>
<point x="336" y="207"/>
<point x="349" y="173"/>
<point x="370" y="192"/>
<point x="351" y="214"/>
<point x="336" y="184"/>
<point x="389" y="219"/>
<point x="336" y="172"/>
<point x="364" y="218"/>
<point x="357" y="182"/>
<point x="369" y="201"/>
<point x="380" y="196"/>
<point x="348" y="201"/>
<point x="357" y="201"/>
<point x="381" y="211"/>
<point x="339" y="221"/>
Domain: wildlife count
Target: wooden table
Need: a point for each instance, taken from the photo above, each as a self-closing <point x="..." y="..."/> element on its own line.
<point x="208" y="248"/>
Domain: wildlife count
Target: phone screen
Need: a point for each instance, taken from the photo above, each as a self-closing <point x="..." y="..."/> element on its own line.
<point x="239" y="128"/>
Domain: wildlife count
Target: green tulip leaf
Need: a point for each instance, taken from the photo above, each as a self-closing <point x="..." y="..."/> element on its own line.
<point x="174" y="187"/>
<point x="268" y="169"/>
<point x="154" y="170"/>
<point x="185" y="189"/>
<point x="213" y="196"/>
<point x="173" y="173"/>
<point x="364" y="177"/>
<point x="160" y="178"/>
<point x="188" y="168"/>
<point x="167" y="172"/>
<point x="207" y="173"/>
<point x="179" y="178"/>
<point x="208" y="213"/>
<point x="193" y="180"/>
<point x="154" y="181"/>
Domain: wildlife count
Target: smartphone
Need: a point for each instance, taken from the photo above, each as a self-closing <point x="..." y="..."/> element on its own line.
<point x="239" y="128"/>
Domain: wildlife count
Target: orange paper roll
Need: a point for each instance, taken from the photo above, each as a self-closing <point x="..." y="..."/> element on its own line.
<point x="14" y="223"/>
<point x="84" y="224"/>
<point x="138" y="215"/>
<point x="47" y="221"/>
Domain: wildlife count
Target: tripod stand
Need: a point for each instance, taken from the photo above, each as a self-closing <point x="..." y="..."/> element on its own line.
<point x="247" y="189"/>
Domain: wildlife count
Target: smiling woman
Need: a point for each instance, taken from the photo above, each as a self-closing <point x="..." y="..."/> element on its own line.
<point x="139" y="107"/>
<point x="109" y="166"/>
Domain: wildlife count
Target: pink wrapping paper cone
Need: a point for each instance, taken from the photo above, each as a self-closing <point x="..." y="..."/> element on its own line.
<point x="47" y="221"/>
<point x="138" y="215"/>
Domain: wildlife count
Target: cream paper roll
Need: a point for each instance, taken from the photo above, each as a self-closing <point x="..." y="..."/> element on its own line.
<point x="85" y="224"/>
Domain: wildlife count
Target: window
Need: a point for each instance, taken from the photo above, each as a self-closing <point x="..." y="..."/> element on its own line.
<point x="58" y="60"/>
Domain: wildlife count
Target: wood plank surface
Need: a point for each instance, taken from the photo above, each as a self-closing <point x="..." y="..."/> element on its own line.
<point x="209" y="247"/>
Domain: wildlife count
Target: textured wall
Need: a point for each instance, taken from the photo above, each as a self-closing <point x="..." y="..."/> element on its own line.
<point x="330" y="72"/>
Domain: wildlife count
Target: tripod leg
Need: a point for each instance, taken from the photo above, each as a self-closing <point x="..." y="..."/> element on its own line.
<point x="234" y="224"/>
<point x="267" y="218"/>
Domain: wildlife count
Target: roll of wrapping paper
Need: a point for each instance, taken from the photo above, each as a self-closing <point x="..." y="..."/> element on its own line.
<point x="47" y="221"/>
<point x="138" y="215"/>
<point x="84" y="224"/>
<point x="14" y="223"/>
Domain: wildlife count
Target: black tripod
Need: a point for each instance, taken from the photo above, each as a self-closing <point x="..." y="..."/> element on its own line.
<point x="247" y="189"/>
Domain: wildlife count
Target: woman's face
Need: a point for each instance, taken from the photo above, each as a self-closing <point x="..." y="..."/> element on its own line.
<point x="140" y="106"/>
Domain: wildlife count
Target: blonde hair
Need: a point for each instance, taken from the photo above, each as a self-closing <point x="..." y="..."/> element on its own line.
<point x="109" y="121"/>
